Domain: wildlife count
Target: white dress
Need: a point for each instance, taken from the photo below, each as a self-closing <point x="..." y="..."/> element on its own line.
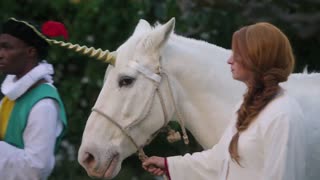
<point x="272" y="148"/>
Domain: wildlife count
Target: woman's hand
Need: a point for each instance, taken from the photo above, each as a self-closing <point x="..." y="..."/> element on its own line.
<point x="155" y="165"/>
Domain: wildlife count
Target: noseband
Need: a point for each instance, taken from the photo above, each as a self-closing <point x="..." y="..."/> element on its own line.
<point x="156" y="79"/>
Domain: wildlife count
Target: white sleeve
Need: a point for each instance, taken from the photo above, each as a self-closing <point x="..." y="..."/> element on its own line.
<point x="206" y="164"/>
<point x="284" y="148"/>
<point x="201" y="165"/>
<point x="36" y="160"/>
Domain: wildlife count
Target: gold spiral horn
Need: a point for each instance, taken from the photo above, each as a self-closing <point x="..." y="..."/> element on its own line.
<point x="104" y="55"/>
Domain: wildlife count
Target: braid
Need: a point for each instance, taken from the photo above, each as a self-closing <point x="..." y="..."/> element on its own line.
<point x="256" y="98"/>
<point x="265" y="52"/>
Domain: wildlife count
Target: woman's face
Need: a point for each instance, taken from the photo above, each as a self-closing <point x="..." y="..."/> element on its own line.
<point x="239" y="72"/>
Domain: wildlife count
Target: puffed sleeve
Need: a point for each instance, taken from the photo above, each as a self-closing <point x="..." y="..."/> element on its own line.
<point x="284" y="147"/>
<point x="36" y="160"/>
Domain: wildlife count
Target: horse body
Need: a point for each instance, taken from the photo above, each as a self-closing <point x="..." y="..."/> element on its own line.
<point x="132" y="106"/>
<point x="306" y="89"/>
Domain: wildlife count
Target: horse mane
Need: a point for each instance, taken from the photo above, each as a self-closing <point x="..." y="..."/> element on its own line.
<point x="195" y="43"/>
<point x="306" y="76"/>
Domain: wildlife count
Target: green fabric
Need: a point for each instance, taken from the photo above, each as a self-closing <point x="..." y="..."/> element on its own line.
<point x="23" y="105"/>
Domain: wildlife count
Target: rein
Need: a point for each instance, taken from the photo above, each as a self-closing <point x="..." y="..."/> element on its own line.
<point x="156" y="78"/>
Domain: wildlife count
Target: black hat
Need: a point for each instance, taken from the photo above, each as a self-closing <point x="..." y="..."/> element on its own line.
<point x="28" y="33"/>
<point x="41" y="39"/>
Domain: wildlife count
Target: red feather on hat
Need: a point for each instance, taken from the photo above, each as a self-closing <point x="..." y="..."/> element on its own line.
<point x="54" y="29"/>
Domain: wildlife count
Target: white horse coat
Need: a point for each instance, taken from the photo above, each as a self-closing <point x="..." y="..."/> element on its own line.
<point x="130" y="109"/>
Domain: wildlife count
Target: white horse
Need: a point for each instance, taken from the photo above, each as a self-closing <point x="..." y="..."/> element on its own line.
<point x="157" y="75"/>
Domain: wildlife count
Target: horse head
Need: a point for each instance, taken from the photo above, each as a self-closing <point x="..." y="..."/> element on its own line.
<point x="126" y="115"/>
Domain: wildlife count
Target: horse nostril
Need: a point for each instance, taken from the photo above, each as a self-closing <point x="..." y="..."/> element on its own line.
<point x="88" y="160"/>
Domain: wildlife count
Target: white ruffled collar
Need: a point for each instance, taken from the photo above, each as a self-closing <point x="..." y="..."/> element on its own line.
<point x="13" y="88"/>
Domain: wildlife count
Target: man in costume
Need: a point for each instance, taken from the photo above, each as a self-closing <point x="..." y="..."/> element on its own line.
<point x="32" y="115"/>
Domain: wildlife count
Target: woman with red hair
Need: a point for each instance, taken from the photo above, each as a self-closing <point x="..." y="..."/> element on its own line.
<point x="265" y="138"/>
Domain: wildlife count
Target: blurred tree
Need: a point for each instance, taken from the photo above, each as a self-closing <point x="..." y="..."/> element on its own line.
<point x="299" y="19"/>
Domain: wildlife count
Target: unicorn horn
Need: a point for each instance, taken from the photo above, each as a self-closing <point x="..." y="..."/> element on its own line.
<point x="53" y="29"/>
<point x="104" y="55"/>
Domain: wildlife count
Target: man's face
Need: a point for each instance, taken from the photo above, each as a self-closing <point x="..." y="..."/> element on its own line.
<point x="13" y="55"/>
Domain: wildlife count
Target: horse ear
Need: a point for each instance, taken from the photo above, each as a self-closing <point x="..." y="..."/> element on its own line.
<point x="161" y="34"/>
<point x="143" y="26"/>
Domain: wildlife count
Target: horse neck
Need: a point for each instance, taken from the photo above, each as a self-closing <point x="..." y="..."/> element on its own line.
<point x="204" y="90"/>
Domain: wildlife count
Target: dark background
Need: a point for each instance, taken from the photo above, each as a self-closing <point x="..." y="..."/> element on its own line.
<point x="107" y="24"/>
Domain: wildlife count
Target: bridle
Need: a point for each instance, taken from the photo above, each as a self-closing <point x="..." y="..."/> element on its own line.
<point x="156" y="79"/>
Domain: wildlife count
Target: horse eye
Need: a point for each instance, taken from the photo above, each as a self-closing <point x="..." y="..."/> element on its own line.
<point x="125" y="81"/>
